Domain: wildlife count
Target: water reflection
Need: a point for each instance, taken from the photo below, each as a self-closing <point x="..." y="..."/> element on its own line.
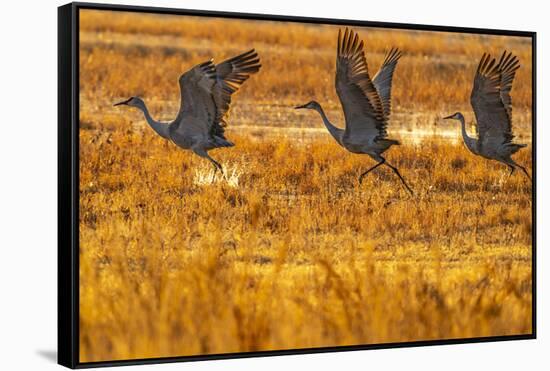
<point x="414" y="135"/>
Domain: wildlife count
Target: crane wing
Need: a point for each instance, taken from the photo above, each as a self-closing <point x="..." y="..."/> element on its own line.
<point x="206" y="89"/>
<point x="383" y="79"/>
<point x="491" y="99"/>
<point x="196" y="94"/>
<point x="230" y="75"/>
<point x="508" y="65"/>
<point x="360" y="101"/>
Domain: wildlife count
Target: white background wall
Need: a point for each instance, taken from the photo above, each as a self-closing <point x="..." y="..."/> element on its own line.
<point x="28" y="153"/>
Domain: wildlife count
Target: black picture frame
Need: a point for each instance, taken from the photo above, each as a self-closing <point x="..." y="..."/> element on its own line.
<point x="68" y="181"/>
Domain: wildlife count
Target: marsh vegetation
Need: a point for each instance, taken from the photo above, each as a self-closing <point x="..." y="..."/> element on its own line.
<point x="291" y="252"/>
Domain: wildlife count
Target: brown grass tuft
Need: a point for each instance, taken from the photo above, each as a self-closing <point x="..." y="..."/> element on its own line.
<point x="293" y="252"/>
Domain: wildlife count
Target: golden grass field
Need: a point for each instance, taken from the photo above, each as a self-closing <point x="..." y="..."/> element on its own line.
<point x="291" y="252"/>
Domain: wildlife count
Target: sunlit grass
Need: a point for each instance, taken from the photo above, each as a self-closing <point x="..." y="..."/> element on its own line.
<point x="207" y="175"/>
<point x="299" y="254"/>
<point x="125" y="54"/>
<point x="289" y="250"/>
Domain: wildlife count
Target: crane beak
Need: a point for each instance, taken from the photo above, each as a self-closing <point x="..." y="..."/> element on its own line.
<point x="121" y="103"/>
<point x="448" y="117"/>
<point x="302" y="106"/>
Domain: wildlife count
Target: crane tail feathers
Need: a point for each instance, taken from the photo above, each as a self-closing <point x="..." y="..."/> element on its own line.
<point x="389" y="142"/>
<point x="222" y="142"/>
<point x="516" y="147"/>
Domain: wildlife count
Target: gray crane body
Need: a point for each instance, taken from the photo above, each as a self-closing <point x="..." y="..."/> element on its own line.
<point x="366" y="103"/>
<point x="206" y="91"/>
<point x="492" y="104"/>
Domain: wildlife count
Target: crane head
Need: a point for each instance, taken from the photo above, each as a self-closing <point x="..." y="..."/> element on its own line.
<point x="310" y="105"/>
<point x="454" y="116"/>
<point x="132" y="101"/>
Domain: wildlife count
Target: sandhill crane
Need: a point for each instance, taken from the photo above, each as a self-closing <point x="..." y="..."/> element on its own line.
<point x="492" y="106"/>
<point x="206" y="91"/>
<point x="366" y="103"/>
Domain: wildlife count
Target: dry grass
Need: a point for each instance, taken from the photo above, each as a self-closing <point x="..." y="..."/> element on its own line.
<point x="133" y="54"/>
<point x="298" y="255"/>
<point x="291" y="252"/>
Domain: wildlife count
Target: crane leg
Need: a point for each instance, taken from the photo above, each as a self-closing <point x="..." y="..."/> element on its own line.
<point x="201" y="152"/>
<point x="369" y="170"/>
<point x="514" y="164"/>
<point x="400" y="177"/>
<point x="511" y="170"/>
<point x="525" y="172"/>
<point x="217" y="167"/>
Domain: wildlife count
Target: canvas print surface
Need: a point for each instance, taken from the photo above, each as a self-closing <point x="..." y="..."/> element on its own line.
<point x="265" y="185"/>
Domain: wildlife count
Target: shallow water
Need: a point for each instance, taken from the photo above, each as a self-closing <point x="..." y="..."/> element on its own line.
<point x="415" y="135"/>
<point x="266" y="120"/>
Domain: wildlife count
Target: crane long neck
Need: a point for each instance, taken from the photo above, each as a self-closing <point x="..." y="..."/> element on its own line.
<point x="160" y="128"/>
<point x="467" y="140"/>
<point x="333" y="130"/>
<point x="463" y="126"/>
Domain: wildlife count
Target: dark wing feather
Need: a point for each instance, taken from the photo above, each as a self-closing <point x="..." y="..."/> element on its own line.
<point x="230" y="75"/>
<point x="491" y="99"/>
<point x="383" y="79"/>
<point x="508" y="65"/>
<point x="196" y="92"/>
<point x="206" y="90"/>
<point x="362" y="105"/>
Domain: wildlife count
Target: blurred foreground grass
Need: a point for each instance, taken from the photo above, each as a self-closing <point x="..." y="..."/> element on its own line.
<point x="292" y="252"/>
